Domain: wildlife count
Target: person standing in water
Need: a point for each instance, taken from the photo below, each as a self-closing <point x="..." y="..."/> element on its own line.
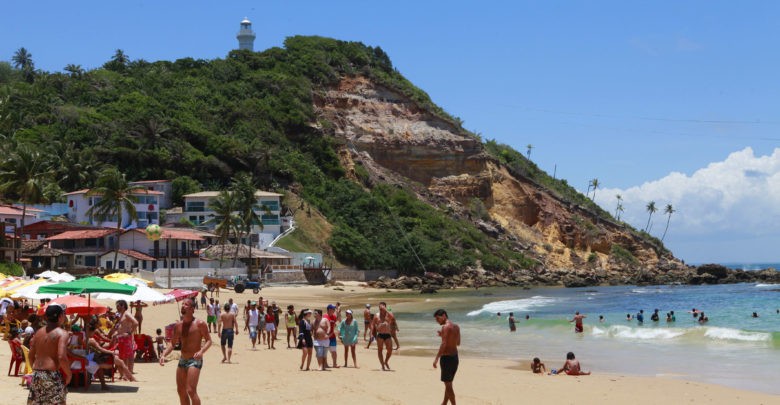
<point x="512" y="326"/>
<point x="447" y="356"/>
<point x="578" y="322"/>
<point x="381" y="326"/>
<point x="191" y="332"/>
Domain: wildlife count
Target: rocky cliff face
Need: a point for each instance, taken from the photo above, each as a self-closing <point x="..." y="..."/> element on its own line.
<point x="396" y="139"/>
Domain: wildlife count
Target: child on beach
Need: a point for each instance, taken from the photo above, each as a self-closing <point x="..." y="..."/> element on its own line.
<point x="572" y="366"/>
<point x="160" y="341"/>
<point x="537" y="366"/>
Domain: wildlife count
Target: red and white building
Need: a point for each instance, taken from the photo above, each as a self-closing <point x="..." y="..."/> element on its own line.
<point x="147" y="209"/>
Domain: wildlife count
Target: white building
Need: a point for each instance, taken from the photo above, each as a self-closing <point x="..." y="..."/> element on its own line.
<point x="245" y="36"/>
<point x="197" y="211"/>
<point x="178" y="247"/>
<point x="13" y="214"/>
<point x="163" y="186"/>
<point x="147" y="209"/>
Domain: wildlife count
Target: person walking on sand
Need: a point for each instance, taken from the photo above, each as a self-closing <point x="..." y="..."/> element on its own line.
<point x="305" y="341"/>
<point x="578" y="322"/>
<point x="334" y="317"/>
<point x="211" y="317"/>
<point x="123" y="332"/>
<point x="252" y="321"/>
<point x="366" y="320"/>
<point x="382" y="326"/>
<point x="447" y="356"/>
<point x="233" y="307"/>
<point x="227" y="328"/>
<point x="49" y="359"/>
<point x="139" y="316"/>
<point x="321" y="341"/>
<point x="270" y="327"/>
<point x="190" y="332"/>
<point x="572" y="366"/>
<point x="348" y="334"/>
<point x="512" y="327"/>
<point x="291" y="321"/>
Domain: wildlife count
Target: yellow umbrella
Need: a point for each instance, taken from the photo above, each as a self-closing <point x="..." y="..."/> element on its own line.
<point x="119" y="277"/>
<point x="11" y="288"/>
<point x="15" y="284"/>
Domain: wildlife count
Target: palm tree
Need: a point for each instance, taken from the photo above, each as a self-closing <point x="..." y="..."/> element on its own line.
<point x="651" y="209"/>
<point x="528" y="153"/>
<point x="22" y="59"/>
<point x="243" y="189"/>
<point x="120" y="57"/>
<point x="116" y="198"/>
<point x="619" y="200"/>
<point x="595" y="184"/>
<point x="669" y="210"/>
<point x="620" y="210"/>
<point x="74" y="70"/>
<point x="224" y="207"/>
<point x="25" y="174"/>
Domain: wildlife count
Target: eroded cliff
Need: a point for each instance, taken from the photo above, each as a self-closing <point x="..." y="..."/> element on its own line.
<point x="396" y="139"/>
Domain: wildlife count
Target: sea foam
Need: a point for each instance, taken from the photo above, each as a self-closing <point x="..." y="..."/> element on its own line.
<point x="523" y="304"/>
<point x="627" y="332"/>
<point x="736" y="334"/>
<point x="762" y="285"/>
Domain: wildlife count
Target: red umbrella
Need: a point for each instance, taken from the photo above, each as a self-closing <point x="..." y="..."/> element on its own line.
<point x="178" y="295"/>
<point x="76" y="305"/>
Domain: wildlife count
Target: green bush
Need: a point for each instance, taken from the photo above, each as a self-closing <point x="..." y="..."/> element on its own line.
<point x="623" y="255"/>
<point x="592" y="258"/>
<point x="11" y="269"/>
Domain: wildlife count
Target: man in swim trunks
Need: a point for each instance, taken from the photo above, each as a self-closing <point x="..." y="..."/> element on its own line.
<point x="48" y="355"/>
<point x="366" y="320"/>
<point x="139" y="316"/>
<point x="333" y="316"/>
<point x="190" y="332"/>
<point x="252" y="320"/>
<point x="211" y="316"/>
<point x="227" y="330"/>
<point x="123" y="332"/>
<point x="447" y="356"/>
<point x="578" y="322"/>
<point x="572" y="366"/>
<point x="321" y="341"/>
<point x="382" y="327"/>
<point x="512" y="326"/>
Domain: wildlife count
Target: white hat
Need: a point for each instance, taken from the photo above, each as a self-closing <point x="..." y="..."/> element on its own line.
<point x="349" y="311"/>
<point x="368" y="305"/>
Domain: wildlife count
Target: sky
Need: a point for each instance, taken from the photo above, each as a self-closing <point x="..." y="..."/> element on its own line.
<point x="660" y="101"/>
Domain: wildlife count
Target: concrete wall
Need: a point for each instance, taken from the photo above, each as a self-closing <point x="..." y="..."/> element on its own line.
<point x="188" y="278"/>
<point x="361" y="275"/>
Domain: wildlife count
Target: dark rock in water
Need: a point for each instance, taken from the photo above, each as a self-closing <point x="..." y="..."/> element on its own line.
<point x="705" y="278"/>
<point x="428" y="290"/>
<point x="769" y="275"/>
<point x="714" y="269"/>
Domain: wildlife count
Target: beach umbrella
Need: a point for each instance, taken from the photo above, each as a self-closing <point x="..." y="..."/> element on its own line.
<point x="122" y="277"/>
<point x="30" y="291"/>
<point x="11" y="289"/>
<point x="62" y="277"/>
<point x="76" y="305"/>
<point x="178" y="295"/>
<point x="135" y="281"/>
<point x="48" y="274"/>
<point x="14" y="284"/>
<point x="142" y="293"/>
<point x="87" y="286"/>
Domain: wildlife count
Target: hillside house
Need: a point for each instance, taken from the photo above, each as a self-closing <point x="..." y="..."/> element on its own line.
<point x="147" y="208"/>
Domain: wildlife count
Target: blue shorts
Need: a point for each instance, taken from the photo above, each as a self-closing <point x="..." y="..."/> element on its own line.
<point x="333" y="343"/>
<point x="253" y="332"/>
<point x="227" y="337"/>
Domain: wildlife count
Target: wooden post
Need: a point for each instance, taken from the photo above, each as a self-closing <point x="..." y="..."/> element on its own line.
<point x="169" y="263"/>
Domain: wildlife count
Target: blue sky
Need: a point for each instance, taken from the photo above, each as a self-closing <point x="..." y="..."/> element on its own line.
<point x="624" y="92"/>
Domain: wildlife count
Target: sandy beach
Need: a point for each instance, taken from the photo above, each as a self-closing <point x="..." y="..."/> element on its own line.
<point x="272" y="376"/>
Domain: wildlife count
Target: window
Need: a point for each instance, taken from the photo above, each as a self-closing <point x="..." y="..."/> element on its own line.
<point x="121" y="264"/>
<point x="151" y="216"/>
<point x="90" y="242"/>
<point x="270" y="219"/>
<point x="143" y="264"/>
<point x="90" y="261"/>
<point x="196" y="206"/>
<point x="272" y="205"/>
<point x="11" y="220"/>
<point x="135" y="263"/>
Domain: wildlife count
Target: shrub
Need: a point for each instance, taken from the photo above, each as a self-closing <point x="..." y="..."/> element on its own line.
<point x="623" y="255"/>
<point x="11" y="269"/>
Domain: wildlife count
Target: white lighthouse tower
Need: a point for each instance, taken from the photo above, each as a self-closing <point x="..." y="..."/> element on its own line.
<point x="246" y="37"/>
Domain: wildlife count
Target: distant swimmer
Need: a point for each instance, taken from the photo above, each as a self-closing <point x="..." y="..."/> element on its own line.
<point x="703" y="318"/>
<point x="640" y="317"/>
<point x="628" y="317"/>
<point x="512" y="326"/>
<point x="572" y="366"/>
<point x="755" y="314"/>
<point x="654" y="316"/>
<point x="527" y="317"/>
<point x="578" y="322"/>
<point x="601" y="318"/>
<point x="674" y="318"/>
<point x="695" y="312"/>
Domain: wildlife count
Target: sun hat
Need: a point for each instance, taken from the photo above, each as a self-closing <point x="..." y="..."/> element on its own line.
<point x="349" y="311"/>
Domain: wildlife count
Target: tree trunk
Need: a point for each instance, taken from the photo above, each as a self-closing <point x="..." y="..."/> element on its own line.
<point x="238" y="243"/>
<point x="667" y="227"/>
<point x="648" y="221"/>
<point x="116" y="247"/>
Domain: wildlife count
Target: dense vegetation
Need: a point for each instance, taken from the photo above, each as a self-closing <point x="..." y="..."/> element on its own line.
<point x="202" y="123"/>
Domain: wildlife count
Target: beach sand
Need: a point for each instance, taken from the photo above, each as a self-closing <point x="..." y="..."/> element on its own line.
<point x="272" y="376"/>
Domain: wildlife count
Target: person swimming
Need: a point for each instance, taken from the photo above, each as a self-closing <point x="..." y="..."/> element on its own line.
<point x="755" y="314"/>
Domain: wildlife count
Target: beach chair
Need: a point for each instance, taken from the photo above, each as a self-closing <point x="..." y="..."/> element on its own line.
<point x="17" y="358"/>
<point x="28" y="371"/>
<point x="144" y="347"/>
<point x="80" y="375"/>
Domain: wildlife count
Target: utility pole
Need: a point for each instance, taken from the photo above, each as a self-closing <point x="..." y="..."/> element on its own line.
<point x="169" y="263"/>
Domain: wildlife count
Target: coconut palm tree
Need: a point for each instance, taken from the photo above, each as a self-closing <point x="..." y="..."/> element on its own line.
<point x="116" y="198"/>
<point x="22" y="59"/>
<point x="619" y="200"/>
<point x="243" y="189"/>
<point x="669" y="210"/>
<point x="224" y="207"/>
<point x="25" y="174"/>
<point x="528" y="152"/>
<point x="651" y="209"/>
<point x="595" y="184"/>
<point x="74" y="70"/>
<point x="619" y="211"/>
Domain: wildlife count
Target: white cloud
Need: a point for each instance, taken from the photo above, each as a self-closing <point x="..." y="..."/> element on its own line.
<point x="740" y="195"/>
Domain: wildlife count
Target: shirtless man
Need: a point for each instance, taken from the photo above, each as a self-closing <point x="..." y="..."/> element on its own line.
<point x="447" y="356"/>
<point x="190" y="332"/>
<point x="123" y="332"/>
<point x="578" y="322"/>
<point x="572" y="366"/>
<point x="139" y="307"/>
<point x="48" y="355"/>
<point x="321" y="340"/>
<point x="227" y="328"/>
<point x="366" y="320"/>
<point x="382" y="327"/>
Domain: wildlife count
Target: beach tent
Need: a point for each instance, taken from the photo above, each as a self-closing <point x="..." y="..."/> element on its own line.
<point x="76" y="305"/>
<point x="142" y="293"/>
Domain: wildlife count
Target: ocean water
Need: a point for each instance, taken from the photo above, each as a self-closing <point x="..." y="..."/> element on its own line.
<point x="733" y="349"/>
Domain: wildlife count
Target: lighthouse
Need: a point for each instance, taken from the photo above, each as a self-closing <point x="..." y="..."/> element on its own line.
<point x="246" y="37"/>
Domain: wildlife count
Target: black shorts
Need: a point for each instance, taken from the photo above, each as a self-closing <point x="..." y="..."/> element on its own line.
<point x="383" y="336"/>
<point x="449" y="366"/>
<point x="227" y="337"/>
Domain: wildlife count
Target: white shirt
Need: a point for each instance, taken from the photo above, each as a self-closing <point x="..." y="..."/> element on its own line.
<point x="210" y="309"/>
<point x="3" y="306"/>
<point x="234" y="308"/>
<point x="253" y="317"/>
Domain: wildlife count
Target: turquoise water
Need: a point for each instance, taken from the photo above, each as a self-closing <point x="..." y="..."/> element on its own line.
<point x="733" y="349"/>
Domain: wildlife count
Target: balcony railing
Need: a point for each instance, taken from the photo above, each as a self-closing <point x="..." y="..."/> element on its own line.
<point x="177" y="253"/>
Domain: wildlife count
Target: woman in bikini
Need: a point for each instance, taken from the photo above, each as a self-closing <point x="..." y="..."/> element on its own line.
<point x="139" y="306"/>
